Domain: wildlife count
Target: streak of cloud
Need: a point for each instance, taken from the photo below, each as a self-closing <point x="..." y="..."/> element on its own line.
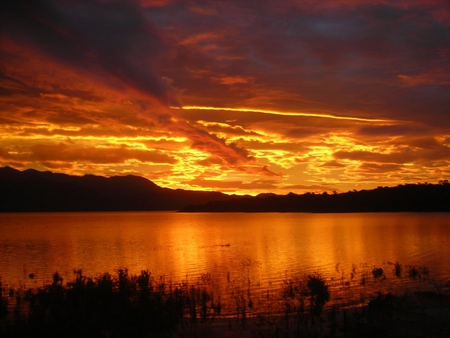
<point x="284" y="113"/>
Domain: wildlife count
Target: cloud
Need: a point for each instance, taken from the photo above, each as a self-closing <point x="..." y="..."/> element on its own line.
<point x="228" y="129"/>
<point x="112" y="38"/>
<point x="232" y="80"/>
<point x="210" y="161"/>
<point x="393" y="130"/>
<point x="68" y="153"/>
<point x="407" y="151"/>
<point x="113" y="44"/>
<point x="203" y="10"/>
<point x="298" y="92"/>
<point x="232" y="186"/>
<point x="343" y="57"/>
<point x="368" y="156"/>
<point x="426" y="79"/>
<point x="333" y="164"/>
<point x="260" y="171"/>
<point x="315" y="188"/>
<point x="286" y="113"/>
<point x="380" y="168"/>
<point x="202" y="140"/>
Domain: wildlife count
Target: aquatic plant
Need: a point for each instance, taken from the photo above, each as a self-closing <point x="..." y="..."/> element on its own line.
<point x="377" y="272"/>
<point x="122" y="304"/>
<point x="397" y="269"/>
<point x="318" y="292"/>
<point x="118" y="305"/>
<point x="417" y="272"/>
<point x="3" y="303"/>
<point x="381" y="305"/>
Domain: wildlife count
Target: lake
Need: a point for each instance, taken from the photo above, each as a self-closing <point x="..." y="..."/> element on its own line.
<point x="231" y="252"/>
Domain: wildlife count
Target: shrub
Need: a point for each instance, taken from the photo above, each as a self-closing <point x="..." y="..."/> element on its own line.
<point x="319" y="294"/>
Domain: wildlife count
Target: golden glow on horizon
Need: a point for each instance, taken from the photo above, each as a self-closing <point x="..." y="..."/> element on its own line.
<point x="312" y="152"/>
<point x="283" y="113"/>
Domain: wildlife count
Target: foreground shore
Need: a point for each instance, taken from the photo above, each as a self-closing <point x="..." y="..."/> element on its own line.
<point x="124" y="305"/>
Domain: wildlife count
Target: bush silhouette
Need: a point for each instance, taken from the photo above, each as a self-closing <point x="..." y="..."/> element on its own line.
<point x="319" y="294"/>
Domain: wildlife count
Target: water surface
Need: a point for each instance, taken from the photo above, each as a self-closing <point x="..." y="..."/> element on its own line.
<point x="259" y="250"/>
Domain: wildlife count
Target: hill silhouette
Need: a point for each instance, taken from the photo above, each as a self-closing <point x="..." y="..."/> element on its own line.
<point x="402" y="198"/>
<point x="32" y="190"/>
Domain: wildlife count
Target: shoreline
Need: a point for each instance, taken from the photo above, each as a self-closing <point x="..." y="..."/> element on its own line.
<point x="305" y="307"/>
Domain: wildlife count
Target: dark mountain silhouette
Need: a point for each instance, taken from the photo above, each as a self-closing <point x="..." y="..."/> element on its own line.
<point x="32" y="190"/>
<point x="402" y="198"/>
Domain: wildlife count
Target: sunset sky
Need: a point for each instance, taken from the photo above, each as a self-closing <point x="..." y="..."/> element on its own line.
<point x="238" y="96"/>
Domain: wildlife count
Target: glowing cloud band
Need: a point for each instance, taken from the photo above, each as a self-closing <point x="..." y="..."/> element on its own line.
<point x="283" y="113"/>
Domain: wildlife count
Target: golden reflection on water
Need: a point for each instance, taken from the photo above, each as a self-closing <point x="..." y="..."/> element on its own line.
<point x="262" y="248"/>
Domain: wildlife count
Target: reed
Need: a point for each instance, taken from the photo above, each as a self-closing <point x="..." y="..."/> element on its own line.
<point x="142" y="305"/>
<point x="3" y="303"/>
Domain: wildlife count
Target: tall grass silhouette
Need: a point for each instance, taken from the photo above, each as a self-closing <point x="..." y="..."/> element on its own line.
<point x="360" y="303"/>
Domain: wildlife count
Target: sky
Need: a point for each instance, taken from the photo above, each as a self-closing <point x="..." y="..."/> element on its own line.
<point x="237" y="96"/>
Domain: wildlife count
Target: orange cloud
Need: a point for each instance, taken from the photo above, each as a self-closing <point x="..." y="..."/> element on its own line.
<point x="232" y="80"/>
<point x="427" y="79"/>
<point x="68" y="153"/>
<point x="276" y="95"/>
<point x="285" y="113"/>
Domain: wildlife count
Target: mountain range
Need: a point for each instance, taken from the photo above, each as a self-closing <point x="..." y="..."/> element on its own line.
<point x="402" y="198"/>
<point x="32" y="191"/>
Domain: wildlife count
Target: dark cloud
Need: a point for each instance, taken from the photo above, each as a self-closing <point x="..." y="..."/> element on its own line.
<point x="306" y="131"/>
<point x="368" y="156"/>
<point x="260" y="171"/>
<point x="374" y="168"/>
<point x="333" y="165"/>
<point x="335" y="56"/>
<point x="316" y="188"/>
<point x="202" y="140"/>
<point x="407" y="152"/>
<point x="289" y="147"/>
<point x="10" y="86"/>
<point x="393" y="130"/>
<point x="231" y="186"/>
<point x="210" y="161"/>
<point x="46" y="153"/>
<point x="109" y="36"/>
<point x="115" y="42"/>
<point x="228" y="129"/>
